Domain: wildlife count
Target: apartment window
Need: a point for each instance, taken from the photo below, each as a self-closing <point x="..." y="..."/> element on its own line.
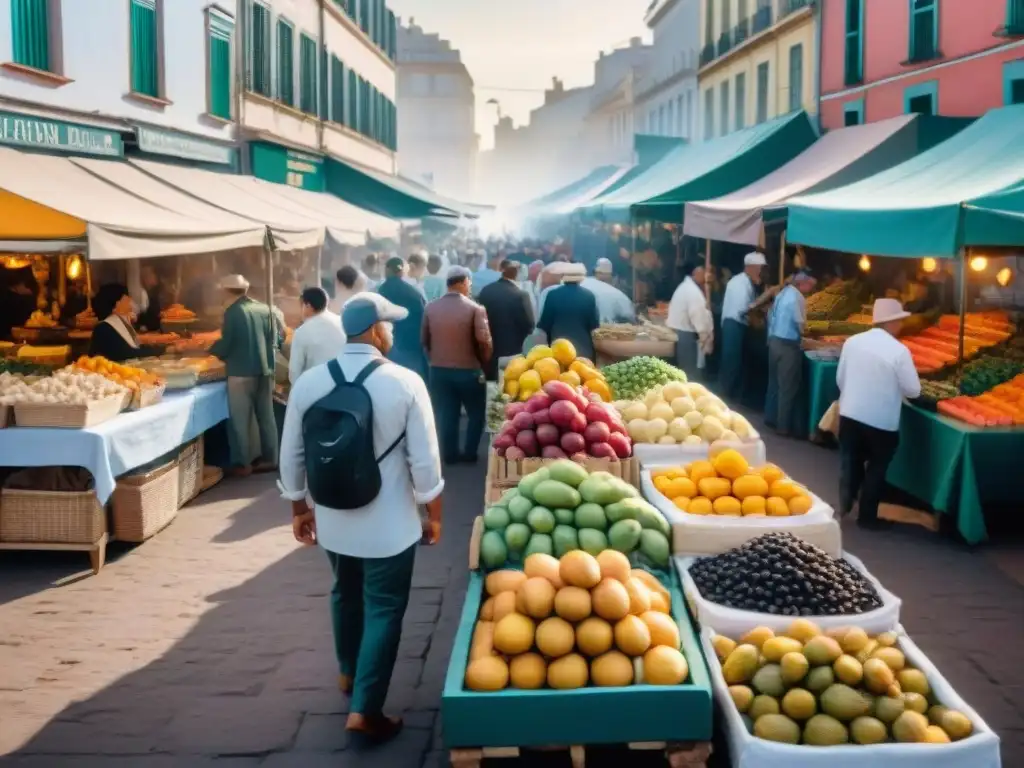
<point x="145" y="48"/>
<point x="219" y="30"/>
<point x="709" y="114"/>
<point x="337" y="90"/>
<point x="30" y="33"/>
<point x="392" y="35"/>
<point x="661" y="120"/>
<point x="922" y="98"/>
<point x="723" y="105"/>
<point x="741" y="100"/>
<point x="689" y="113"/>
<point x="258" y="76"/>
<point x="307" y="75"/>
<point x="924" y="30"/>
<point x="285" y="62"/>
<point x="680" y="116"/>
<point x="762" y="92"/>
<point x="709" y="22"/>
<point x="726" y="16"/>
<point x="796" y="77"/>
<point x="364" y="15"/>
<point x="1015" y="17"/>
<point x="853" y="113"/>
<point x="1013" y="82"/>
<point x="854" y="61"/>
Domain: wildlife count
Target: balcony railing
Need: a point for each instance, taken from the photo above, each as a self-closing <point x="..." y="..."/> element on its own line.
<point x="724" y="43"/>
<point x="761" y="20"/>
<point x="707" y="54"/>
<point x="787" y="7"/>
<point x="741" y="32"/>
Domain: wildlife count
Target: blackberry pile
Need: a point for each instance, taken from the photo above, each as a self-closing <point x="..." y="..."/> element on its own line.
<point x="778" y="573"/>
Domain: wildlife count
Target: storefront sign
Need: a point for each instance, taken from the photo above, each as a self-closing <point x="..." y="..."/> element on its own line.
<point x="281" y="165"/>
<point x="178" y="145"/>
<point x="40" y="133"/>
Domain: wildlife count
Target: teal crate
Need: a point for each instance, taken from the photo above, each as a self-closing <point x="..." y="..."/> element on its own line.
<point x="637" y="713"/>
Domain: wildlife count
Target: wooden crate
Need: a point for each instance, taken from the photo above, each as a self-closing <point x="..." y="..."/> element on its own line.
<point x="589" y="716"/>
<point x="678" y="755"/>
<point x="503" y="473"/>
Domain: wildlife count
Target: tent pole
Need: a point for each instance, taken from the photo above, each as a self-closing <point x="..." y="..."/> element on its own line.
<point x="964" y="254"/>
<point x="632" y="254"/>
<point x="707" y="271"/>
<point x="268" y="257"/>
<point x="782" y="257"/>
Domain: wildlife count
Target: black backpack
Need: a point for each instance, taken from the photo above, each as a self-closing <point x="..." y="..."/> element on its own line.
<point x="342" y="467"/>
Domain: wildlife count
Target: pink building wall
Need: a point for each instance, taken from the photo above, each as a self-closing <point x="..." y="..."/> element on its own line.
<point x="970" y="74"/>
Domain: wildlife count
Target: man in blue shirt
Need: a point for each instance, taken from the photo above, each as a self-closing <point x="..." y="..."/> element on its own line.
<point x="785" y="357"/>
<point x="488" y="273"/>
<point x="407" y="350"/>
<point x="740" y="294"/>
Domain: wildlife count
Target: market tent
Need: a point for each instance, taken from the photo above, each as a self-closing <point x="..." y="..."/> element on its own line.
<point x="967" y="191"/>
<point x="291" y="230"/>
<point x="578" y="192"/>
<point x="840" y="157"/>
<point x="393" y="196"/>
<point x="708" y="170"/>
<point x="45" y="199"/>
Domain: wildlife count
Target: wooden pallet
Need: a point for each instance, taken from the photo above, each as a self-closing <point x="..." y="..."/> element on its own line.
<point x="504" y="474"/>
<point x="678" y="755"/>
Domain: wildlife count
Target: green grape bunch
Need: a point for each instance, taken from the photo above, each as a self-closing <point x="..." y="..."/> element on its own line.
<point x="632" y="379"/>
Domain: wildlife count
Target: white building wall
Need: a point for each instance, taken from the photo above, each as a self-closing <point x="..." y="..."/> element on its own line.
<point x="94" y="47"/>
<point x="668" y="102"/>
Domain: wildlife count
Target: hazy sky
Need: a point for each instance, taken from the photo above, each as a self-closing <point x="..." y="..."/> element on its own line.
<point x="514" y="47"/>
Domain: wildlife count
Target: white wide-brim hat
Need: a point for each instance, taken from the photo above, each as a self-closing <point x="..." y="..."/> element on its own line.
<point x="234" y="283"/>
<point x="887" y="311"/>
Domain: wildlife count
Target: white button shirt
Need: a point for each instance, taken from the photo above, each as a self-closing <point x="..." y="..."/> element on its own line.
<point x="411" y="473"/>
<point x="688" y="310"/>
<point x="316" y="341"/>
<point x="739" y="295"/>
<point x="875" y="373"/>
<point x="613" y="306"/>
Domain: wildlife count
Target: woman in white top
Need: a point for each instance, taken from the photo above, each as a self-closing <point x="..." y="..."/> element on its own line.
<point x="690" y="317"/>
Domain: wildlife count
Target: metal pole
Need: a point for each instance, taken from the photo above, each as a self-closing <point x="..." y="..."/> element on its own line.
<point x="707" y="271"/>
<point x="964" y="253"/>
<point x="268" y="254"/>
<point x="782" y="257"/>
<point x="632" y="253"/>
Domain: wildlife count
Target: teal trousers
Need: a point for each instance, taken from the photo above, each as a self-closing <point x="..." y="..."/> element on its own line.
<point x="368" y="601"/>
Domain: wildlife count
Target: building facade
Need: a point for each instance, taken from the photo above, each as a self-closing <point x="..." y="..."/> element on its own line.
<point x="758" y="61"/>
<point x="612" y="121"/>
<point x="101" y="78"/>
<point x="436" y="114"/>
<point x="666" y="104"/>
<point x="882" y="58"/>
<point x="318" y="79"/>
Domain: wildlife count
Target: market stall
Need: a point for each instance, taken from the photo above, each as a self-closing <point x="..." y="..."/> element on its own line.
<point x="956" y="208"/>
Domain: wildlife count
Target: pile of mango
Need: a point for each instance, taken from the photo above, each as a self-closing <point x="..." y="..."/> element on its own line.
<point x="525" y="375"/>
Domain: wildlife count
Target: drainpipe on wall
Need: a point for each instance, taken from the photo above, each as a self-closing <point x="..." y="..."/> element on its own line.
<point x="817" y="70"/>
<point x="322" y="96"/>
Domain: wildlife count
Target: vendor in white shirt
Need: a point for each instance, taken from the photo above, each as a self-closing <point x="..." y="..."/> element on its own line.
<point x="690" y="317"/>
<point x="875" y="374"/>
<point x="371" y="549"/>
<point x="319" y="338"/>
<point x="613" y="306"/>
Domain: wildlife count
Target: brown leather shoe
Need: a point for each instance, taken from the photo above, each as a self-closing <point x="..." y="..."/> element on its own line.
<point x="345" y="684"/>
<point x="375" y="729"/>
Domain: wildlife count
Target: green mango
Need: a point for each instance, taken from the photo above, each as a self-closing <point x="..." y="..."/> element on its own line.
<point x="531" y="481"/>
<point x="590" y="515"/>
<point x="539" y="542"/>
<point x="565" y="539"/>
<point x="541" y="519"/>
<point x="506" y="497"/>
<point x="567" y="471"/>
<point x="519" y="508"/>
<point x="496" y="518"/>
<point x="625" y="535"/>
<point x="604" y="488"/>
<point x="594" y="542"/>
<point x="564" y="516"/>
<point x="493" y="551"/>
<point x="654" y="545"/>
<point x="627" y="509"/>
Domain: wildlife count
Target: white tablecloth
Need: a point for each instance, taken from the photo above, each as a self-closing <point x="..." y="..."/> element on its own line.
<point x="127" y="441"/>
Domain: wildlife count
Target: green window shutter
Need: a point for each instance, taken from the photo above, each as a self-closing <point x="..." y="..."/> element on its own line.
<point x="762" y="92"/>
<point x="392" y="35"/>
<point x="307" y="74"/>
<point x="796" y="77"/>
<point x="924" y="30"/>
<point x="364" y="15"/>
<point x="1015" y="17"/>
<point x="724" y="107"/>
<point x="352" y="100"/>
<point x="285" y="63"/>
<point x="220" y="30"/>
<point x="30" y="33"/>
<point x="337" y="90"/>
<point x="741" y="100"/>
<point x="258" y="77"/>
<point x="854" y="55"/>
<point x="709" y="114"/>
<point x="145" y="64"/>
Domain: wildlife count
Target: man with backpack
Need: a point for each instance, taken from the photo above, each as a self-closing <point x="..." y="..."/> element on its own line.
<point x="359" y="439"/>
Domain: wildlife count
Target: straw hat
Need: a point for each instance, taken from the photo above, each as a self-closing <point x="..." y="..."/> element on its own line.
<point x="234" y="283"/>
<point x="887" y="311"/>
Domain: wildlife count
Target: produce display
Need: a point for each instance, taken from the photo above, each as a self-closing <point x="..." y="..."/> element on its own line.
<point x="936" y="347"/>
<point x="682" y="414"/>
<point x="158" y="339"/>
<point x="177" y="313"/>
<point x="39" y="319"/>
<point x="52" y="355"/>
<point x="562" y="421"/>
<point x="777" y="573"/>
<point x="580" y="619"/>
<point x="728" y="485"/>
<point x="125" y="375"/>
<point x="22" y="368"/>
<point x="1003" y="406"/>
<point x="836" y="302"/>
<point x="524" y="376"/>
<point x="629" y="332"/>
<point x="496" y="406"/>
<point x="86" y="319"/>
<point x="197" y="342"/>
<point x="981" y="375"/>
<point x="65" y="387"/>
<point x="632" y="379"/>
<point x="842" y="686"/>
<point x="562" y="507"/>
<point x="15" y="383"/>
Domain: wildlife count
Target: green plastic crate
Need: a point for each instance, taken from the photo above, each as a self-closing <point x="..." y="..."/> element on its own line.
<point x="584" y="716"/>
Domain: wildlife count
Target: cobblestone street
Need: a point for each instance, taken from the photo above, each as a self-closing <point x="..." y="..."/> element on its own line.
<point x="209" y="645"/>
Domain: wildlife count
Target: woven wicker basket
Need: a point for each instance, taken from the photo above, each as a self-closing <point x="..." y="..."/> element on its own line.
<point x="190" y="462"/>
<point x="145" y="504"/>
<point x="51" y="517"/>
<point x="70" y="416"/>
<point x="5" y="415"/>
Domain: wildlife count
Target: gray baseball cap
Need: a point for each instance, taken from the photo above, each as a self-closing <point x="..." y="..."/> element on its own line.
<point x="459" y="272"/>
<point x="365" y="310"/>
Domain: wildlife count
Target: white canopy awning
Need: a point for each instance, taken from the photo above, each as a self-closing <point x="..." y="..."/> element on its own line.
<point x="45" y="198"/>
<point x="291" y="230"/>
